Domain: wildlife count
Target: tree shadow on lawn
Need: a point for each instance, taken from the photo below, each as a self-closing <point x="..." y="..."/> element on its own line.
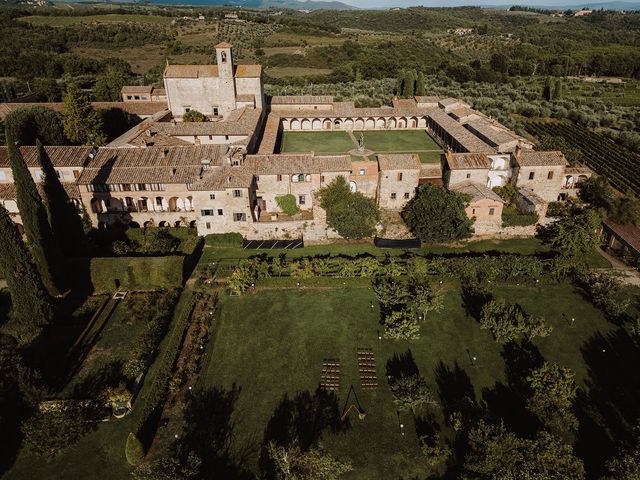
<point x="474" y="297"/>
<point x="302" y="419"/>
<point x="402" y="365"/>
<point x="97" y="380"/>
<point x="610" y="407"/>
<point x="210" y="431"/>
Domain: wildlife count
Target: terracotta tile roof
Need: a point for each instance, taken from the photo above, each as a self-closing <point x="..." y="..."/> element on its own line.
<point x="223" y="45"/>
<point x="248" y="71"/>
<point x="301" y="99"/>
<point x="243" y="121"/>
<point x="151" y="164"/>
<point x="464" y="137"/>
<point x="446" y="102"/>
<point x="398" y="161"/>
<point x="67" y="156"/>
<point x="8" y="190"/>
<point x="430" y="170"/>
<point x="427" y="99"/>
<point x="464" y="161"/>
<point x="531" y="196"/>
<point x="630" y="234"/>
<point x="270" y="135"/>
<point x="249" y="97"/>
<point x="578" y="171"/>
<point x="297" y="163"/>
<point x="408" y="104"/>
<point x="531" y="158"/>
<point x="137" y="89"/>
<point x="221" y="178"/>
<point x="477" y="191"/>
<point x="492" y="134"/>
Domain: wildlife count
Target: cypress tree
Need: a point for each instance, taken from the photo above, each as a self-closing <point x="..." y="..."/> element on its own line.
<point x="557" y="90"/>
<point x="63" y="215"/>
<point x="420" y="85"/>
<point x="546" y="91"/>
<point x="31" y="303"/>
<point x="409" y="84"/>
<point x="42" y="244"/>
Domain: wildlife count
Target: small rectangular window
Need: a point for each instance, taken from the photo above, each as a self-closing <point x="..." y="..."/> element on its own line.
<point x="531" y="175"/>
<point x="3" y="176"/>
<point x="322" y="178"/>
<point x="215" y="111"/>
<point x="212" y="196"/>
<point x="473" y="211"/>
<point x="237" y="193"/>
<point x="492" y="211"/>
<point x="468" y="175"/>
<point x="60" y="174"/>
<point x="220" y="212"/>
<point x="207" y="212"/>
<point x="239" y="217"/>
<point x="393" y="196"/>
<point x="400" y="176"/>
<point x="208" y="226"/>
<point x="550" y="175"/>
<point x="361" y="172"/>
<point x="406" y="195"/>
<point x="76" y="174"/>
<point x="142" y="186"/>
<point x="279" y="178"/>
<point x="301" y="199"/>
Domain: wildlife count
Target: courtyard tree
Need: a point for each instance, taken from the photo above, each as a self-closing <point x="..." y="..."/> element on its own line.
<point x="351" y="214"/>
<point x="390" y="291"/>
<point x="401" y="325"/>
<point x="497" y="454"/>
<point x="291" y="463"/>
<point x="25" y="125"/>
<point x="508" y="321"/>
<point x="425" y="299"/>
<point x="411" y="392"/>
<point x="81" y="122"/>
<point x="64" y="217"/>
<point x="597" y="192"/>
<point x="194" y="116"/>
<point x="437" y="215"/>
<point x="576" y="235"/>
<point x="553" y="391"/>
<point x="626" y="464"/>
<point x="626" y="209"/>
<point x="35" y="219"/>
<point x="30" y="301"/>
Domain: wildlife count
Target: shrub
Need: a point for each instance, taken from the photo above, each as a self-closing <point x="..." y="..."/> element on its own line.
<point x="516" y="219"/>
<point x="194" y="116"/>
<point x="287" y="204"/>
<point x="133" y="451"/>
<point x="507" y="321"/>
<point x="222" y="240"/>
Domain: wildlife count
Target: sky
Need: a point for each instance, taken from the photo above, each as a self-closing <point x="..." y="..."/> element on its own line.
<point x="456" y="3"/>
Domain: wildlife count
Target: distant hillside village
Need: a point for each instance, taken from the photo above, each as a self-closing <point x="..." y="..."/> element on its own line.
<point x="227" y="174"/>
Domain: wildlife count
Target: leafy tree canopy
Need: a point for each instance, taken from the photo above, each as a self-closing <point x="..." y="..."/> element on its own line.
<point x="576" y="235"/>
<point x="194" y="116"/>
<point x="25" y="125"/>
<point x="508" y="321"/>
<point x="351" y="214"/>
<point x="437" y="215"/>
<point x="81" y="122"/>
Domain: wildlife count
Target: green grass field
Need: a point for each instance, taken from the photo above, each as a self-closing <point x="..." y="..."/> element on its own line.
<point x="271" y="344"/>
<point x="392" y="141"/>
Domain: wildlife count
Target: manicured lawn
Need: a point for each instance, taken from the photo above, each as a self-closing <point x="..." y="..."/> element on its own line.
<point x="318" y="142"/>
<point x="391" y="141"/>
<point x="271" y="344"/>
<point x="394" y="141"/>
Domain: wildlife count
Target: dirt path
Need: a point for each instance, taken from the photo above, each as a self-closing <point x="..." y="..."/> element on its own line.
<point x="628" y="275"/>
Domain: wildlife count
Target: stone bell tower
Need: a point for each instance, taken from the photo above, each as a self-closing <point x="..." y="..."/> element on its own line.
<point x="226" y="81"/>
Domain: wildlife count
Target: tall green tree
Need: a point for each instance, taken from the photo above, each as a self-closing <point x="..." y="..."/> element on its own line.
<point x="553" y="391"/>
<point x="109" y="85"/>
<point x="30" y="301"/>
<point x="557" y="90"/>
<point x="35" y="219"/>
<point x="411" y="392"/>
<point x="291" y="463"/>
<point x="81" y="122"/>
<point x="409" y="84"/>
<point x="576" y="235"/>
<point x="437" y="215"/>
<point x="25" y="125"/>
<point x="421" y="87"/>
<point x="351" y="214"/>
<point x="546" y="90"/>
<point x="64" y="217"/>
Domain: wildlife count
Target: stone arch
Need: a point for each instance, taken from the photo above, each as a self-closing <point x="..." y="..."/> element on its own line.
<point x="285" y="124"/>
<point x="391" y="122"/>
<point x="422" y="122"/>
<point x="359" y="125"/>
<point x="353" y="186"/>
<point x="178" y="223"/>
<point x="337" y="123"/>
<point x="348" y="124"/>
<point x="134" y="225"/>
<point x="370" y="123"/>
<point x="316" y="124"/>
<point x="380" y="123"/>
<point x="413" y="122"/>
<point x="568" y="181"/>
<point x="193" y="224"/>
<point x="295" y="124"/>
<point x="148" y="223"/>
<point x="326" y="125"/>
<point x="143" y="204"/>
<point x="188" y="204"/>
<point x="97" y="205"/>
<point x="305" y="124"/>
<point x="163" y="223"/>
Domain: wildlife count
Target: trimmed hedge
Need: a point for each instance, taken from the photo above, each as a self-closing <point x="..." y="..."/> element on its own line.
<point x="133" y="450"/>
<point x="287" y="204"/>
<point x="519" y="219"/>
<point x="164" y="369"/>
<point x="222" y="240"/>
<point x="136" y="273"/>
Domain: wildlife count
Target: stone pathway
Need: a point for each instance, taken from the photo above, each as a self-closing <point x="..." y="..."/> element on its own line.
<point x="627" y="275"/>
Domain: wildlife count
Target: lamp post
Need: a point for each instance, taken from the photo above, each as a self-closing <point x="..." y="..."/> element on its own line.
<point x="402" y="429"/>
